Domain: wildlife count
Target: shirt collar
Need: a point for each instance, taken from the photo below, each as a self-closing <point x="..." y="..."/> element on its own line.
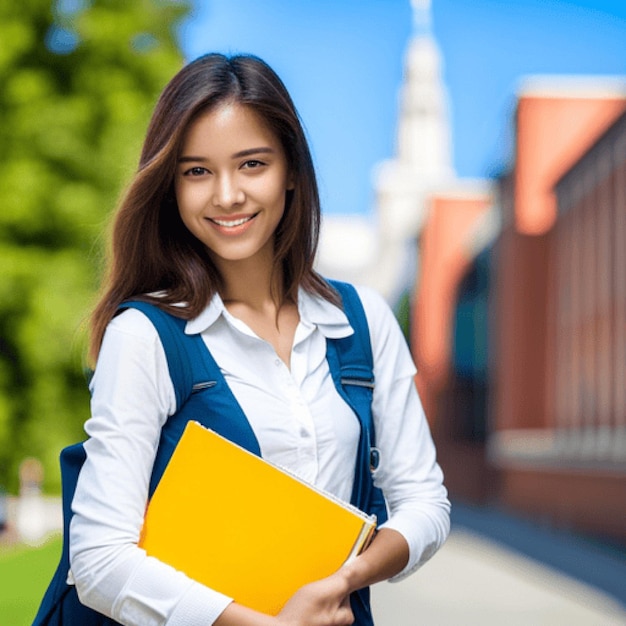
<point x="329" y="319"/>
<point x="314" y="310"/>
<point x="207" y="317"/>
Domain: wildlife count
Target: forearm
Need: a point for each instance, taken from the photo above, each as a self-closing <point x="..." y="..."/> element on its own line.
<point x="385" y="557"/>
<point x="237" y="615"/>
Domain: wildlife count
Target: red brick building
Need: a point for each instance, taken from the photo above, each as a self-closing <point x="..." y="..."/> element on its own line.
<point x="551" y="269"/>
<point x="527" y="395"/>
<point x="455" y="219"/>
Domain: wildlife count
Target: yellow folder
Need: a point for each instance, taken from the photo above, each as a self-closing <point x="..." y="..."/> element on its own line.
<point x="244" y="527"/>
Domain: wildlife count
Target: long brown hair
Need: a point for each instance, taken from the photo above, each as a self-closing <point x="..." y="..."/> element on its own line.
<point x="151" y="249"/>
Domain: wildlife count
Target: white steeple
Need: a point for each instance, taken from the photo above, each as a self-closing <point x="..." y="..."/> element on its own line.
<point x="422" y="162"/>
<point x="423" y="145"/>
<point x="423" y="156"/>
<point x="421" y="15"/>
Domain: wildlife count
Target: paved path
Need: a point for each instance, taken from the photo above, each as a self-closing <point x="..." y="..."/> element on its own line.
<point x="473" y="581"/>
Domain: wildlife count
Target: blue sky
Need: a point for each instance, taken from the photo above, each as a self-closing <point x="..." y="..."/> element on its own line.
<point x="342" y="61"/>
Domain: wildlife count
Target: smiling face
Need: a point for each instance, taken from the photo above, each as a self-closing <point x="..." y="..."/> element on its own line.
<point x="231" y="182"/>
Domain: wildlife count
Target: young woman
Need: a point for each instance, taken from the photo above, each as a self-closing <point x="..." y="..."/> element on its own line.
<point x="220" y="227"/>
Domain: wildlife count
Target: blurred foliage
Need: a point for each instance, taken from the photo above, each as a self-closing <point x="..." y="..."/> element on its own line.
<point x="78" y="81"/>
<point x="402" y="311"/>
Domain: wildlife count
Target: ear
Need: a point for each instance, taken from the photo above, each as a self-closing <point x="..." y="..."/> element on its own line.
<point x="291" y="182"/>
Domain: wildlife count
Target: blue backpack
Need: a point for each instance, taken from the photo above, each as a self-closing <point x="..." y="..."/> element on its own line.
<point x="203" y="395"/>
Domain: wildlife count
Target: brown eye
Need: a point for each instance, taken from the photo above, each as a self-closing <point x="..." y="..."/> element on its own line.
<point x="195" y="171"/>
<point x="253" y="164"/>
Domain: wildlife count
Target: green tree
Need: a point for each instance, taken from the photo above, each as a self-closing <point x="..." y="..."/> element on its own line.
<point x="78" y="79"/>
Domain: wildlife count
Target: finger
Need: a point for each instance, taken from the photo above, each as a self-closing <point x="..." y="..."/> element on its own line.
<point x="345" y="616"/>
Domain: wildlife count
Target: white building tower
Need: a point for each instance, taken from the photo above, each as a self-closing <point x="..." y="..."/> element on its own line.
<point x="385" y="252"/>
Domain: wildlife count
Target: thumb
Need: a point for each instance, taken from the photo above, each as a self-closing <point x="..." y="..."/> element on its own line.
<point x="344" y="613"/>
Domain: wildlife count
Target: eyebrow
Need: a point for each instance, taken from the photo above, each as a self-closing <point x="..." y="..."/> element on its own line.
<point x="237" y="155"/>
<point x="251" y="151"/>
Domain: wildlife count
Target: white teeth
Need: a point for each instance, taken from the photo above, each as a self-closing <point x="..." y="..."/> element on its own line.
<point x="232" y="223"/>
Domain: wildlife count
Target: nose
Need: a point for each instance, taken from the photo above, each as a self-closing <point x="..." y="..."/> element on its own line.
<point x="227" y="192"/>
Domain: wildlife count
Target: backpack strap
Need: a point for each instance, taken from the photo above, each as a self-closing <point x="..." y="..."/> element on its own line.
<point x="194" y="373"/>
<point x="352" y="369"/>
<point x="357" y="363"/>
<point x="351" y="365"/>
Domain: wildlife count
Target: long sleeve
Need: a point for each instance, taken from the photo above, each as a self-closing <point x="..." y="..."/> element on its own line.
<point x="132" y="397"/>
<point x="408" y="473"/>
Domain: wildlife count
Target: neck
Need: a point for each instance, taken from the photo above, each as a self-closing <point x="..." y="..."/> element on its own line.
<point x="248" y="283"/>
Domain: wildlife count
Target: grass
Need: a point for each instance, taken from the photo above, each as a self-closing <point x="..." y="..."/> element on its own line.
<point x="24" y="576"/>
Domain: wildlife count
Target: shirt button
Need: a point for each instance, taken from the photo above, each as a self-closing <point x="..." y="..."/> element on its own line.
<point x="277" y="362"/>
<point x="304" y="432"/>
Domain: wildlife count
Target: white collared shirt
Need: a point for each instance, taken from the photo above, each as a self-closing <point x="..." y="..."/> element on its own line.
<point x="298" y="418"/>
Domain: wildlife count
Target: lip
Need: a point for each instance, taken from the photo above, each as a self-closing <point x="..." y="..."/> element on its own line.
<point x="232" y="224"/>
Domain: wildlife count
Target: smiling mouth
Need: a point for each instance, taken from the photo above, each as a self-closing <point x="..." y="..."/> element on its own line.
<point x="232" y="223"/>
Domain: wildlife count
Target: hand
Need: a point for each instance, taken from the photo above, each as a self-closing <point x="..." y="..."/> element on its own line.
<point x="325" y="602"/>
